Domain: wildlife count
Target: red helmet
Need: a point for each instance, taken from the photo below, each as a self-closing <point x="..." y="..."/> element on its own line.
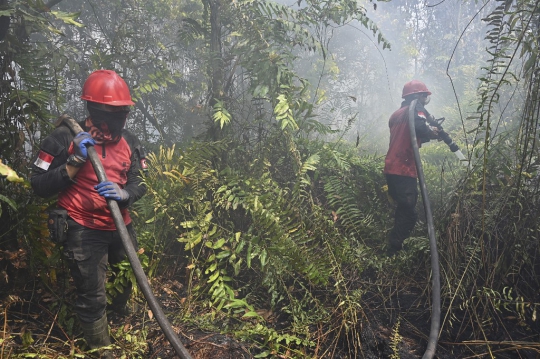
<point x="413" y="87"/>
<point x="105" y="86"/>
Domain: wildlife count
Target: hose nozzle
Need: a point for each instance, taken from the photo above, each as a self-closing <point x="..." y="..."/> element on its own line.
<point x="446" y="138"/>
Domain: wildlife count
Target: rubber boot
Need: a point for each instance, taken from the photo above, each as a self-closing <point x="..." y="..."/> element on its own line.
<point x="96" y="335"/>
<point x="394" y="244"/>
<point x="120" y="303"/>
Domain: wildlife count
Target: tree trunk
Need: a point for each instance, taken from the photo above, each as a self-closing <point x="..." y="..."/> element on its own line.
<point x="215" y="70"/>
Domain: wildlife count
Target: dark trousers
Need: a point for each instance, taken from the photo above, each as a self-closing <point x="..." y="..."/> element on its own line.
<point x="88" y="251"/>
<point x="404" y="191"/>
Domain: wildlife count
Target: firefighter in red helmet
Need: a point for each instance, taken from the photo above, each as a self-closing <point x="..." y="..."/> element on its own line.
<point x="400" y="167"/>
<point x="91" y="240"/>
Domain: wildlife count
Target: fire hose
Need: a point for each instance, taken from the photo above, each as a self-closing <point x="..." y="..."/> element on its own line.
<point x="445" y="137"/>
<point x="142" y="281"/>
<point x="435" y="274"/>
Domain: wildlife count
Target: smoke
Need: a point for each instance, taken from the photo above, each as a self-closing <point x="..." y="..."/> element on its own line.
<point x="442" y="46"/>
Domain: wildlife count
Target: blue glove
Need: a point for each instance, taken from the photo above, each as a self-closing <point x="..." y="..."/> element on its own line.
<point x="111" y="190"/>
<point x="80" y="142"/>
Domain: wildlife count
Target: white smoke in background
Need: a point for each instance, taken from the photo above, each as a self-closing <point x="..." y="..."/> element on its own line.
<point x="441" y="45"/>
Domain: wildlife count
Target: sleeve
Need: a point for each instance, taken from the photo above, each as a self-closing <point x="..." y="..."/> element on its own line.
<point x="423" y="131"/>
<point x="135" y="185"/>
<point x="49" y="175"/>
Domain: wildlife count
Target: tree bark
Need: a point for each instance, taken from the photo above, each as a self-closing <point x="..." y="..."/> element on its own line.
<point x="4" y="21"/>
<point x="215" y="65"/>
<point x="216" y="62"/>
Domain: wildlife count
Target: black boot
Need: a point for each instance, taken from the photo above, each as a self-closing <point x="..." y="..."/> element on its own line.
<point x="120" y="302"/>
<point x="394" y="244"/>
<point x="96" y="335"/>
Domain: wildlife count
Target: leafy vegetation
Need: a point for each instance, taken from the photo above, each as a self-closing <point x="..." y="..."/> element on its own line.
<point x="266" y="216"/>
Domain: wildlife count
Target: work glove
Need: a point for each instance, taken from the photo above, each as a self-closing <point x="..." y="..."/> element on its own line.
<point x="434" y="135"/>
<point x="112" y="190"/>
<point x="80" y="142"/>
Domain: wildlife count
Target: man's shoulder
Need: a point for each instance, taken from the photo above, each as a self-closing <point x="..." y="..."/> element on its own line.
<point x="399" y="114"/>
<point x="132" y="140"/>
<point x="60" y="135"/>
<point x="127" y="134"/>
<point x="61" y="130"/>
<point x="401" y="110"/>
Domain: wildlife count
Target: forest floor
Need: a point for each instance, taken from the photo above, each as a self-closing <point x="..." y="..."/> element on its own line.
<point x="31" y="330"/>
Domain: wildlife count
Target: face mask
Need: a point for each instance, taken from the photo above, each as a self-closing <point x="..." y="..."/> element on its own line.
<point x="425" y="100"/>
<point x="112" y="122"/>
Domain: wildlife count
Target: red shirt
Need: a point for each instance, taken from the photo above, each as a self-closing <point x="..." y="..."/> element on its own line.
<point x="83" y="203"/>
<point x="400" y="157"/>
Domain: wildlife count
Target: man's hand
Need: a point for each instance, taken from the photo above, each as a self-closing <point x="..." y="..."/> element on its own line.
<point x="434" y="133"/>
<point x="80" y="142"/>
<point x="112" y="190"/>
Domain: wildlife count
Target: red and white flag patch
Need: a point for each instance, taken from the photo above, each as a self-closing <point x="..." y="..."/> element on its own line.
<point x="144" y="165"/>
<point x="44" y="160"/>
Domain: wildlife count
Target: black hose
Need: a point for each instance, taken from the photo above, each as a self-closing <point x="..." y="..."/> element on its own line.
<point x="130" y="250"/>
<point x="436" y="283"/>
<point x="445" y="137"/>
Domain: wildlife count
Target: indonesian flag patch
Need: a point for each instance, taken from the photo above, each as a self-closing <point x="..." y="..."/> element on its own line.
<point x="44" y="160"/>
<point x="144" y="165"/>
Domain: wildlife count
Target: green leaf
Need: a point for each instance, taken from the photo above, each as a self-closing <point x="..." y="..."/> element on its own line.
<point x="219" y="243"/>
<point x="221" y="114"/>
<point x="223" y="254"/>
<point x="213" y="277"/>
<point x="251" y="315"/>
<point x="212" y="268"/>
<point x="262" y="257"/>
<point x="264" y="354"/>
<point x="68" y="18"/>
<point x="10" y="202"/>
